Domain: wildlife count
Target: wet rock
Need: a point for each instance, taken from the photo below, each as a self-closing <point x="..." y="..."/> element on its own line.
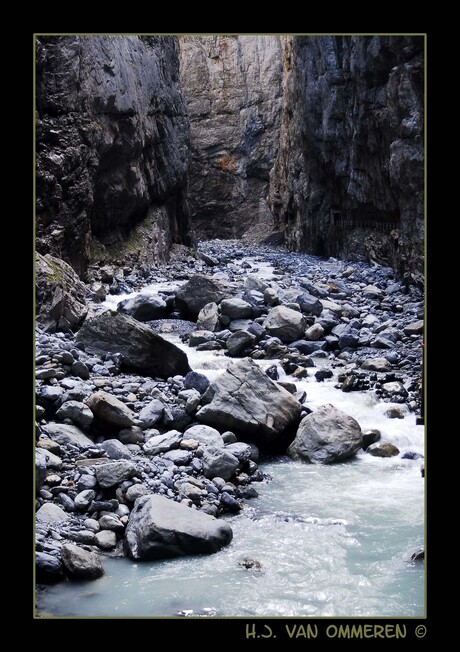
<point x="229" y="502"/>
<point x="143" y="307"/>
<point x="251" y="564"/>
<point x="111" y="522"/>
<point x="110" y="410"/>
<point x="179" y="457"/>
<point x="160" y="528"/>
<point x="81" y="564"/>
<point x="411" y="455"/>
<point x="325" y="436"/>
<point x="370" y="437"/>
<point x="394" y="389"/>
<point x="133" y="435"/>
<point x="65" y="434"/>
<point x="205" y="435"/>
<point x="84" y="499"/>
<point x="112" y="473"/>
<point x="394" y="413"/>
<point x="382" y="449"/>
<point x="199" y="291"/>
<point x="322" y="374"/>
<point x="50" y="514"/>
<point x="77" y="412"/>
<point x="240" y="450"/>
<point x="244" y="399"/>
<point x="140" y="349"/>
<point x="286" y="324"/>
<point x="238" y="342"/>
<point x="376" y="364"/>
<point x="48" y="568"/>
<point x="419" y="555"/>
<point x="208" y="318"/>
<point x="80" y="370"/>
<point x="200" y="337"/>
<point x="116" y="450"/>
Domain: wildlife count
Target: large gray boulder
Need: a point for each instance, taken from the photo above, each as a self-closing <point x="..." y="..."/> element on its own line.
<point x="236" y="308"/>
<point x="285" y="323"/>
<point x="77" y="412"/>
<point x="81" y="564"/>
<point x="244" y="399"/>
<point x="199" y="291"/>
<point x="50" y="514"/>
<point x="110" y="410"/>
<point x="208" y="318"/>
<point x="141" y="349"/>
<point x="63" y="434"/>
<point x="60" y="295"/>
<point x="219" y="463"/>
<point x="143" y="307"/>
<point x="159" y="528"/>
<point x="325" y="436"/>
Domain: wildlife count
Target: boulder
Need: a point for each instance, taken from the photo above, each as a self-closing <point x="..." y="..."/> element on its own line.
<point x="106" y="539"/>
<point x="81" y="564"/>
<point x="314" y="332"/>
<point x="285" y="323"/>
<point x="160" y="528"/>
<point x="110" y="410"/>
<point x="370" y="437"/>
<point x="310" y="304"/>
<point x="60" y="295"/>
<point x="219" y="462"/>
<point x="325" y="436"/>
<point x="50" y="514"/>
<point x="77" y="412"/>
<point x="195" y="380"/>
<point x="133" y="435"/>
<point x="416" y="328"/>
<point x="199" y="291"/>
<point x="238" y="342"/>
<point x="208" y="318"/>
<point x="382" y="449"/>
<point x="373" y="292"/>
<point x="110" y="474"/>
<point x="115" y="449"/>
<point x="244" y="399"/>
<point x="236" y="308"/>
<point x="152" y="413"/>
<point x="65" y="434"/>
<point x="162" y="443"/>
<point x="48" y="567"/>
<point x="205" y="435"/>
<point x="143" y="307"/>
<point x="141" y="350"/>
<point x="376" y="364"/>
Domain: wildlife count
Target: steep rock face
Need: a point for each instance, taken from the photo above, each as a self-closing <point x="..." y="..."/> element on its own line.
<point x="348" y="179"/>
<point x="112" y="147"/>
<point x="233" y="89"/>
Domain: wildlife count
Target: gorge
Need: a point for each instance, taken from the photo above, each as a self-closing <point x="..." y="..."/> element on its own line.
<point x="229" y="325"/>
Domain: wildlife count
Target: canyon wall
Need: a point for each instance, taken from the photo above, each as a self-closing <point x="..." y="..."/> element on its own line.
<point x="112" y="142"/>
<point x="232" y="85"/>
<point x="348" y="179"/>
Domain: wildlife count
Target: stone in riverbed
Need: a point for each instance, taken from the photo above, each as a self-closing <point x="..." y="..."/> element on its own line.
<point x="286" y="324"/>
<point x="48" y="568"/>
<point x="162" y="443"/>
<point x="81" y="564"/>
<point x="64" y="434"/>
<point x="112" y="473"/>
<point x="106" y="539"/>
<point x="50" y="514"/>
<point x="219" y="462"/>
<point x="111" y="410"/>
<point x="416" y="328"/>
<point x="84" y="498"/>
<point x="143" y="307"/>
<point x="133" y="435"/>
<point x="116" y="450"/>
<point x="310" y="304"/>
<point x="238" y="342"/>
<point x="236" y="308"/>
<point x="383" y="449"/>
<point x="208" y="318"/>
<point x="77" y="412"/>
<point x="205" y="435"/>
<point x="326" y="436"/>
<point x="199" y="291"/>
<point x="370" y="437"/>
<point x="195" y="380"/>
<point x="314" y="333"/>
<point x="179" y="457"/>
<point x="141" y="349"/>
<point x="376" y="364"/>
<point x="152" y="413"/>
<point x="159" y="528"/>
<point x="244" y="399"/>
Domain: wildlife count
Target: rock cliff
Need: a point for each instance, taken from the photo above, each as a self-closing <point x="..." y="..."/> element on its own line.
<point x="348" y="179"/>
<point x="232" y="85"/>
<point x="112" y="148"/>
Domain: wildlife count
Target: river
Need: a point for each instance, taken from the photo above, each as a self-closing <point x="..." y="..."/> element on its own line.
<point x="331" y="540"/>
